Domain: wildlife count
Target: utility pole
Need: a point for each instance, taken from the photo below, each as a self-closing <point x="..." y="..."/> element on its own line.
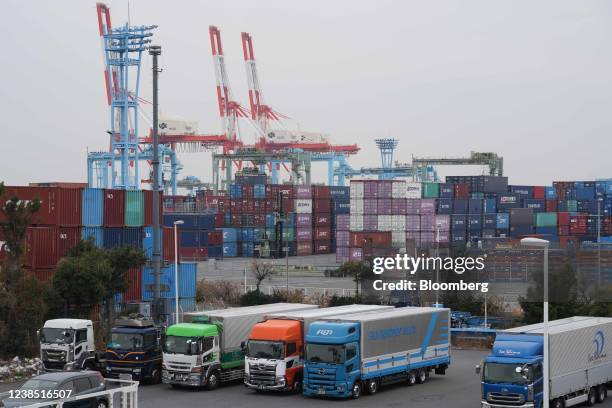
<point x="155" y="52"/>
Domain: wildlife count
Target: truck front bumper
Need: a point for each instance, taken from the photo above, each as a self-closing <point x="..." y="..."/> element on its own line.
<point x="279" y="385"/>
<point x="339" y="390"/>
<point x="485" y="404"/>
<point x="182" y="378"/>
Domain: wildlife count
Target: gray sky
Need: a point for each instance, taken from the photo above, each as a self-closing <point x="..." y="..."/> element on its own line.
<point x="530" y="80"/>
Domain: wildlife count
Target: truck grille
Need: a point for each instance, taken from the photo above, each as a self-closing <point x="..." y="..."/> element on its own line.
<point x="54" y="355"/>
<point x="262" y="374"/>
<point x="54" y="365"/>
<point x="178" y="366"/>
<point x="508" y="399"/>
<point x="321" y="376"/>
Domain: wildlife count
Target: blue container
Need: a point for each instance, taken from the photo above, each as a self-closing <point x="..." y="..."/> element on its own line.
<point x="506" y="201"/>
<point x="187" y="278"/>
<point x="550" y="193"/>
<point x="122" y="236"/>
<point x="246" y="235"/>
<point x="535" y="205"/>
<point x="270" y="220"/>
<point x="445" y="206"/>
<point x="112" y="238"/>
<point x="589" y="206"/>
<point x="604" y="187"/>
<point x="230" y="249"/>
<point x="474" y="222"/>
<point x="523" y="191"/>
<point x="203" y="238"/>
<point x="546" y="230"/>
<point x="147" y="241"/>
<point x="92" y="207"/>
<point x="227" y="218"/>
<point x="190" y="238"/>
<point x="215" y="251"/>
<point x="475" y="206"/>
<point x="235" y="191"/>
<point x="206" y="222"/>
<point x="230" y="234"/>
<point x="460" y="206"/>
<point x="458" y="222"/>
<point x="259" y="191"/>
<point x="187" y="304"/>
<point x="503" y="221"/>
<point x="339" y="192"/>
<point x="190" y="221"/>
<point x="247" y="249"/>
<point x="97" y="233"/>
<point x="488" y="206"/>
<point x="520" y="230"/>
<point x="488" y="233"/>
<point x="342" y="206"/>
<point x="489" y="221"/>
<point x="259" y="234"/>
<point x="477" y="194"/>
<point x="447" y="190"/>
<point x="585" y="190"/>
<point x="458" y="238"/>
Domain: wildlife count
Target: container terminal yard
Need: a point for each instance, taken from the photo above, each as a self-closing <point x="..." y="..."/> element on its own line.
<point x="260" y="243"/>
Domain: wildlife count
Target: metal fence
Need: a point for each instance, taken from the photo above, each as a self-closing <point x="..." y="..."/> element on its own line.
<point x="307" y="290"/>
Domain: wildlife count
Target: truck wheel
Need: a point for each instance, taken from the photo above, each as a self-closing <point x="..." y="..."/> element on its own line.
<point x="213" y="381"/>
<point x="592" y="397"/>
<point x="356" y="391"/>
<point x="602" y="393"/>
<point x="412" y="378"/>
<point x="102" y="404"/>
<point x="372" y="387"/>
<point x="297" y="386"/>
<point x="558" y="403"/>
<point x="422" y="376"/>
<point x="156" y="376"/>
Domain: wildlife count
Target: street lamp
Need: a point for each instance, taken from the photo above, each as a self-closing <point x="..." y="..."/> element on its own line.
<point x="176" y="271"/>
<point x="438" y="225"/>
<point x="542" y="243"/>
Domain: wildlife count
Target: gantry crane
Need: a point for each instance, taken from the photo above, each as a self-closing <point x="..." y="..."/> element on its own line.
<point x="493" y="161"/>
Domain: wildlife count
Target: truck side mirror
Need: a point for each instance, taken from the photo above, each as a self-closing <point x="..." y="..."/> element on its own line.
<point x="243" y="346"/>
<point x="193" y="348"/>
<point x="477" y="369"/>
<point x="38" y="334"/>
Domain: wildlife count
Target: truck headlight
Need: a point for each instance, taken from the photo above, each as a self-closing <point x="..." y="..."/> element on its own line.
<point x="137" y="371"/>
<point x="530" y="392"/>
<point x="196" y="369"/>
<point x="280" y="380"/>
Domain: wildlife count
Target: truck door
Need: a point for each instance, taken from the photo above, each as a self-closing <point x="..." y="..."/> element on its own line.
<point x="80" y="343"/>
<point x="352" y="366"/>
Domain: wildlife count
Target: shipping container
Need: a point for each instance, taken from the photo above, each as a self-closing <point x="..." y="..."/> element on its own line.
<point x="230" y="249"/>
<point x="321" y="205"/>
<point x="521" y="216"/>
<point x="322" y="247"/>
<point x="398" y="206"/>
<point x="187" y="278"/>
<point x="343" y="207"/>
<point x="321" y="220"/>
<point x="339" y="192"/>
<point x="398" y="189"/>
<point x="475" y="206"/>
<point x="355" y="254"/>
<point x="546" y="219"/>
<point x="507" y="201"/>
<point x="134" y="208"/>
<point x="536" y="205"/>
<point x="460" y="206"/>
<point x="114" y="208"/>
<point x="370" y="188"/>
<point x="92" y="207"/>
<point x="342" y="238"/>
<point x="58" y="206"/>
<point x="67" y="238"/>
<point x="447" y="190"/>
<point x="489" y="206"/>
<point x="302" y="192"/>
<point x="443" y="222"/>
<point x="462" y="191"/>
<point x="474" y="222"/>
<point x="343" y="222"/>
<point x="94" y="233"/>
<point x="384" y="223"/>
<point x="357" y="206"/>
<point x="427" y="206"/>
<point x="374" y="239"/>
<point x="342" y="254"/>
<point x="120" y="237"/>
<point x="383" y="206"/>
<point x="356" y="222"/>
<point x="413" y="189"/>
<point x="523" y="191"/>
<point x="303" y="206"/>
<point x="133" y="288"/>
<point x="430" y="190"/>
<point x="303" y="248"/>
<point x="459" y="222"/>
<point x="41" y="247"/>
<point x="356" y="190"/>
<point x="539" y="192"/>
<point x="445" y="206"/>
<point x="303" y="234"/>
<point x="413" y="222"/>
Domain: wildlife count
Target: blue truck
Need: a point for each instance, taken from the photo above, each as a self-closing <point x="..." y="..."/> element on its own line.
<point x="361" y="352"/>
<point x="512" y="375"/>
<point x="134" y="350"/>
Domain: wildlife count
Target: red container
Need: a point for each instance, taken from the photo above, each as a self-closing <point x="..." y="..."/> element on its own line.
<point x="462" y="190"/>
<point x="236" y="220"/>
<point x="563" y="230"/>
<point x="193" y="254"/>
<point x="168" y="243"/>
<point x="248" y="206"/>
<point x="219" y="220"/>
<point x="539" y="192"/>
<point x="148" y="207"/>
<point x="215" y="237"/>
<point x="320" y="192"/>
<point x="259" y="206"/>
<point x="322" y="234"/>
<point x="43" y="275"/>
<point x="321" y="205"/>
<point x="563" y="218"/>
<point x="247" y="191"/>
<point x="321" y="220"/>
<point x="3" y="248"/>
<point x="551" y="205"/>
<point x="303" y="248"/>
<point x="133" y="292"/>
<point x="59" y="206"/>
<point x="578" y="224"/>
<point x="259" y="220"/>
<point x="272" y="191"/>
<point x="114" y="208"/>
<point x="67" y="238"/>
<point x="288" y="204"/>
<point x="322" y="247"/>
<point x="41" y="247"/>
<point x="569" y="242"/>
<point x="375" y="239"/>
<point x="606" y="227"/>
<point x="235" y="206"/>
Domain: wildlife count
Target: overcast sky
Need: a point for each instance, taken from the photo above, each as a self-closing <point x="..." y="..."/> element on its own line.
<point x="530" y="80"/>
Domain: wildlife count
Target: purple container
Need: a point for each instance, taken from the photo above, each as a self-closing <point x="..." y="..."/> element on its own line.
<point x="303" y="220"/>
<point x="413" y="222"/>
<point x="413" y="205"/>
<point x="342" y="254"/>
<point x="370" y="222"/>
<point x="303" y="192"/>
<point x="427" y="237"/>
<point x="428" y="206"/>
<point x="444" y="237"/>
<point x="370" y="189"/>
<point x="303" y="234"/>
<point x="398" y="206"/>
<point x="343" y="222"/>
<point x="443" y="221"/>
<point x="355" y="254"/>
<point x="415" y="236"/>
<point x="370" y="206"/>
<point x="343" y="239"/>
<point x="385" y="189"/>
<point x="384" y="206"/>
<point x="428" y="223"/>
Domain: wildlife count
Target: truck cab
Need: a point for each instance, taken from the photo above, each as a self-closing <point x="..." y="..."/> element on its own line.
<point x="192" y="355"/>
<point x="512" y="376"/>
<point x="332" y="360"/>
<point x="134" y="349"/>
<point x="67" y="345"/>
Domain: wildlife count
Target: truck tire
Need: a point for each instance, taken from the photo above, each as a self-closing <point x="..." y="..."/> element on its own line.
<point x="102" y="403"/>
<point x="297" y="385"/>
<point x="356" y="390"/>
<point x="602" y="393"/>
<point x="212" y="381"/>
<point x="592" y="397"/>
<point x="557" y="403"/>
<point x="372" y="387"/>
<point x="412" y="377"/>
<point x="421" y="376"/>
<point x="155" y="376"/>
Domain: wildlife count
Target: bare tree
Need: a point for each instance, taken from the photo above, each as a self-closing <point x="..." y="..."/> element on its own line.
<point x="261" y="271"/>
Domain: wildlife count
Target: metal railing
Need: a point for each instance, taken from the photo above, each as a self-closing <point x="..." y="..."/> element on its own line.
<point x="308" y="290"/>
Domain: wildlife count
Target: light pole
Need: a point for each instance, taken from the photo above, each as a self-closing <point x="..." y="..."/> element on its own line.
<point x="437" y="265"/>
<point x="599" y="200"/>
<point x="542" y="243"/>
<point x="176" y="271"/>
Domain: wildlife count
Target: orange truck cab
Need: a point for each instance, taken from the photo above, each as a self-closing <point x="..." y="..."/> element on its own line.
<point x="275" y="349"/>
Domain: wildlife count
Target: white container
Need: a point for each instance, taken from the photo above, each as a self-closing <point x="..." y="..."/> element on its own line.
<point x="303" y="205"/>
<point x="356" y="222"/>
<point x="385" y="223"/>
<point x="398" y="223"/>
<point x="356" y="206"/>
<point x="176" y="127"/>
<point x="356" y="189"/>
<point x="413" y="189"/>
<point x="398" y="189"/>
<point x="398" y="239"/>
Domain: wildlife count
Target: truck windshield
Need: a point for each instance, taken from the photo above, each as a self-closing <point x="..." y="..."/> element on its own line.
<point x="126" y="341"/>
<point x="325" y="353"/>
<point x="265" y="349"/>
<point x="506" y="373"/>
<point x="58" y="336"/>
<point x="179" y="345"/>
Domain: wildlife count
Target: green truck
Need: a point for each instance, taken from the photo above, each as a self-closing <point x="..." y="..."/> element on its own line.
<point x="208" y="348"/>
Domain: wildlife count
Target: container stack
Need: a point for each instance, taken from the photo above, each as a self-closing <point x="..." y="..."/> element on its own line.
<point x="198" y="239"/>
<point x="304" y="234"/>
<point x="187" y="277"/>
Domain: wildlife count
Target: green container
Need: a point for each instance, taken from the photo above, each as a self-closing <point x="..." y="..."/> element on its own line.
<point x="546" y="219"/>
<point x="288" y="234"/>
<point x="134" y="208"/>
<point x="430" y="190"/>
<point x="572" y="205"/>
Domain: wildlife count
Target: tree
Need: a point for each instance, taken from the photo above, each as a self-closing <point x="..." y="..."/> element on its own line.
<point x="261" y="271"/>
<point x="360" y="271"/>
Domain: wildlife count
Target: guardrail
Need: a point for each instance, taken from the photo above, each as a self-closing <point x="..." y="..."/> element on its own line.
<point x="308" y="290"/>
<point x="125" y="395"/>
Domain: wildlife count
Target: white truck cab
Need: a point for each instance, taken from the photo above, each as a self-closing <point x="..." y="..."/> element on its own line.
<point x="67" y="344"/>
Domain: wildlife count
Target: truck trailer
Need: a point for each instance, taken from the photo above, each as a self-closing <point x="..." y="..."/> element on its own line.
<point x="364" y="351"/>
<point x="512" y="375"/>
<point x="275" y="351"/>
<point x="209" y="347"/>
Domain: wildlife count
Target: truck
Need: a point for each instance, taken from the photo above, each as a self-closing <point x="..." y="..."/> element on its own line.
<point x="579" y="365"/>
<point x="275" y="350"/>
<point x="68" y="345"/>
<point x="134" y="349"/>
<point x="209" y="347"/>
<point x="361" y="352"/>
